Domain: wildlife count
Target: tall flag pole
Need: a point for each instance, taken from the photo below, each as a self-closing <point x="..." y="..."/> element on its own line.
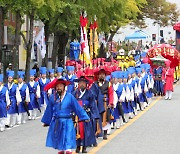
<point x="91" y="41"/>
<point x="94" y="42"/>
<point x="84" y="39"/>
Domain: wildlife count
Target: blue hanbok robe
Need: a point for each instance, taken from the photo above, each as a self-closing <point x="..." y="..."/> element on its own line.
<point x="95" y="91"/>
<point x="13" y="109"/>
<point x="71" y="87"/>
<point x="134" y="87"/>
<point x="100" y="92"/>
<point x="119" y="92"/>
<point x="34" y="100"/>
<point x="89" y="104"/>
<point x="44" y="95"/>
<point x="125" y="103"/>
<point x="22" y="91"/>
<point x="144" y="89"/>
<point x="149" y="94"/>
<point x="158" y="84"/>
<point x="3" y="102"/>
<point x="58" y="114"/>
<point x="131" y="103"/>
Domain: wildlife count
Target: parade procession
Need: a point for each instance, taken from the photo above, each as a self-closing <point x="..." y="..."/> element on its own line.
<point x="82" y="87"/>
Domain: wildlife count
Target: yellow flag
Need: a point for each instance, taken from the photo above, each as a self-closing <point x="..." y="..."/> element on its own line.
<point x="96" y="42"/>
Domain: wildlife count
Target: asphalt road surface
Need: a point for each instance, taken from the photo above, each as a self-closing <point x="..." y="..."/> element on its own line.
<point x="154" y="131"/>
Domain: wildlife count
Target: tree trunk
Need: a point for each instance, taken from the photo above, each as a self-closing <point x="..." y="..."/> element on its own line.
<point x="102" y="53"/>
<point x="112" y="34"/>
<point x="17" y="41"/>
<point x="55" y="49"/>
<point x="73" y="36"/>
<point x="63" y="40"/>
<point x="29" y="46"/>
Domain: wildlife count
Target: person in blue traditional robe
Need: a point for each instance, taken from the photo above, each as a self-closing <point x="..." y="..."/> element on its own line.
<point x="23" y="105"/>
<point x="131" y="95"/>
<point x="126" y="104"/>
<point x="34" y="92"/>
<point x="70" y="77"/>
<point x="150" y="83"/>
<point x="120" y="92"/>
<point x="59" y="71"/>
<point x="51" y="74"/>
<point x="158" y="83"/>
<point x="86" y="99"/>
<point x="58" y="116"/>
<point x="137" y="89"/>
<point x="43" y="81"/>
<point x="96" y="123"/>
<point x="104" y="97"/>
<point x="144" y="86"/>
<point x="132" y="82"/>
<point x="51" y="78"/>
<point x="15" y="99"/>
<point x="4" y="102"/>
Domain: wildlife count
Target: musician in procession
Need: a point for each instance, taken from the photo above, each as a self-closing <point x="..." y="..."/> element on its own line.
<point x="25" y="97"/>
<point x="58" y="116"/>
<point x="87" y="102"/>
<point x="34" y="92"/>
<point x="4" y="102"/>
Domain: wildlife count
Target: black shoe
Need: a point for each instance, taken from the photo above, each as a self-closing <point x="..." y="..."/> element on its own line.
<point x="105" y="135"/>
<point x="84" y="150"/>
<point x="78" y="149"/>
<point x="7" y="126"/>
<point x="95" y="144"/>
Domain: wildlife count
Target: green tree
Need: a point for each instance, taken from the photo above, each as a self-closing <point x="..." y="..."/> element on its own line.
<point x="111" y="15"/>
<point x="4" y="6"/>
<point x="28" y="8"/>
<point x="162" y="12"/>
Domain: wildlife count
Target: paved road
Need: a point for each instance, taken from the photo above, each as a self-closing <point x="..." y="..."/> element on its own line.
<point x="156" y="132"/>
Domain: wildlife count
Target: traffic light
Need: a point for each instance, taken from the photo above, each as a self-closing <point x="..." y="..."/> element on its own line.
<point x="153" y="37"/>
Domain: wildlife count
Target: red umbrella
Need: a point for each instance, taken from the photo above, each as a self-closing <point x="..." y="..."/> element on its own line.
<point x="177" y="26"/>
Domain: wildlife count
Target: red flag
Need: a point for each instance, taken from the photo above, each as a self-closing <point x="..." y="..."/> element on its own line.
<point x="111" y="94"/>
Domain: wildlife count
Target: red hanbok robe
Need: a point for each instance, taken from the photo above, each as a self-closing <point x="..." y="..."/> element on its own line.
<point x="168" y="78"/>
